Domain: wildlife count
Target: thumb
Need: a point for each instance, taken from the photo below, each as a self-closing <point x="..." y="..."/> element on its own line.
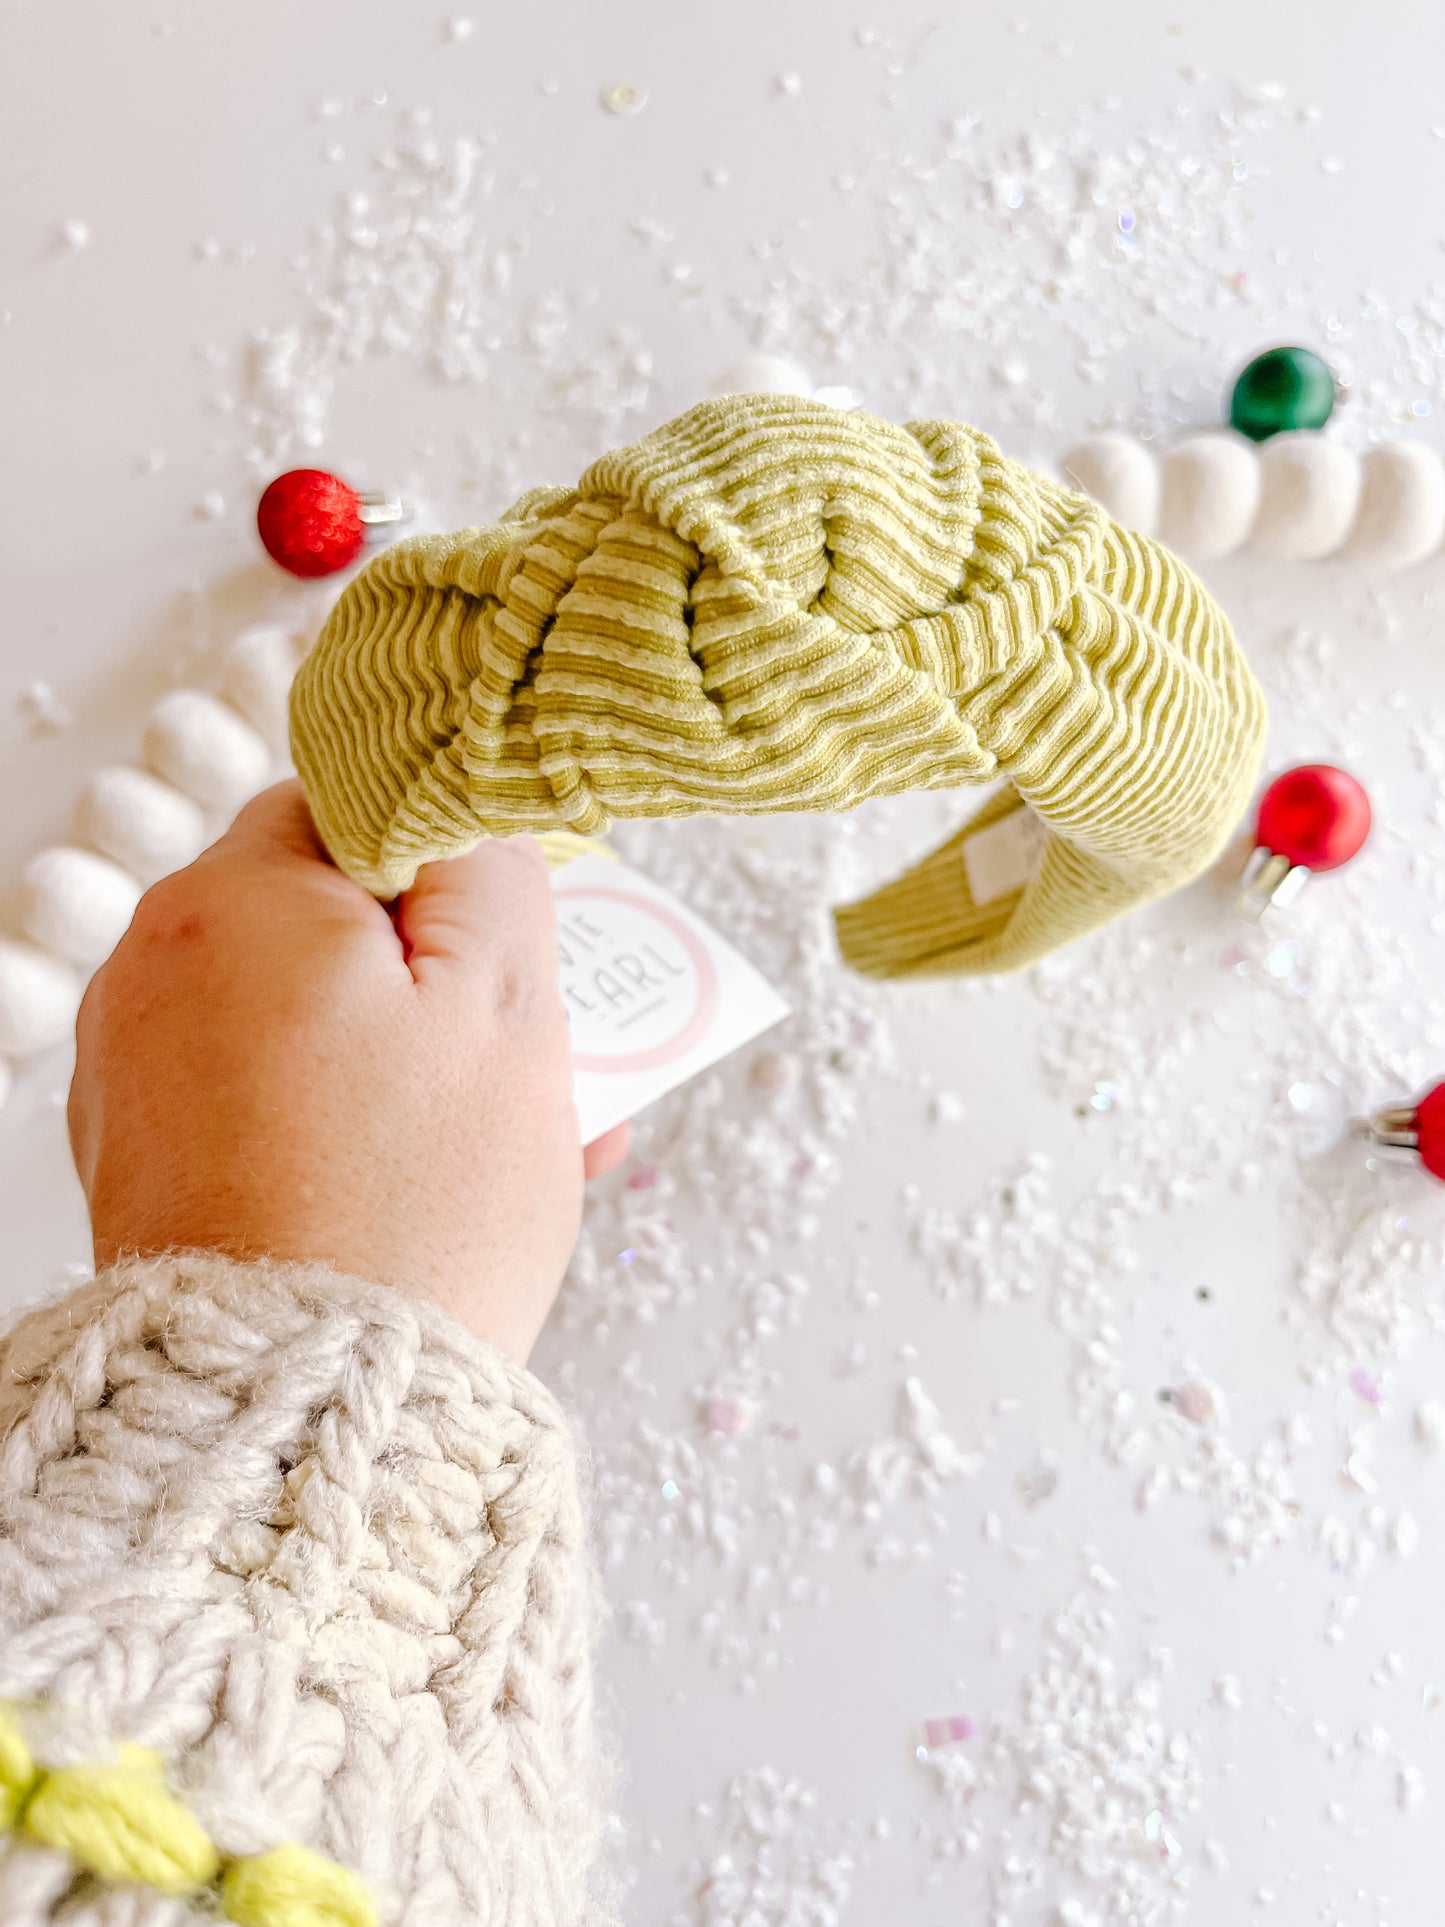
<point x="481" y="914"/>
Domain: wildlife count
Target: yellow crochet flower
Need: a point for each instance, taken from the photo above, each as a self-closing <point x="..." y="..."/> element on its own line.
<point x="770" y="604"/>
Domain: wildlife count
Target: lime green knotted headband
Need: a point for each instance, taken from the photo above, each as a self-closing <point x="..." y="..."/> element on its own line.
<point x="770" y="604"/>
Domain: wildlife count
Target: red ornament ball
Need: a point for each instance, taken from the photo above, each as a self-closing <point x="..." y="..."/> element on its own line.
<point x="310" y="522"/>
<point x="1430" y="1131"/>
<point x="1315" y="815"/>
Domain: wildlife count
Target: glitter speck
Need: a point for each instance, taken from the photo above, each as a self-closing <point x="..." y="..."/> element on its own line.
<point x="1106" y="1096"/>
<point x="1419" y="409"/>
<point x="1303" y="1097"/>
<point x="726" y="1416"/>
<point x="671" y="1490"/>
<point x="624" y="99"/>
<point x="1196" y="1403"/>
<point x="644" y="1179"/>
<point x="1365" y="1386"/>
<point x="1281" y="960"/>
<point x="1159" y="1835"/>
<point x="1126" y="220"/>
<point x="627" y="1257"/>
<point x="944" y="1732"/>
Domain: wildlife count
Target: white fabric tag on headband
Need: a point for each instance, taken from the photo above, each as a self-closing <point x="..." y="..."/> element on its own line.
<point x="653" y="994"/>
<point x="1003" y="858"/>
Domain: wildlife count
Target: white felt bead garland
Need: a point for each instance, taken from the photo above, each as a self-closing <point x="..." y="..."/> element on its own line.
<point x="206" y="749"/>
<point x="766" y="375"/>
<point x="1208" y="496"/>
<point x="39" y="997"/>
<point x="204" y="756"/>
<point x="1309" y="495"/>
<point x="141" y="823"/>
<point x="1122" y="476"/>
<point x="76" y="904"/>
<point x="1297" y="497"/>
<point x="256" y="676"/>
<point x="1402" y="506"/>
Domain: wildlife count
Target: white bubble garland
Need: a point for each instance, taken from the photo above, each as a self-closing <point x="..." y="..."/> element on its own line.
<point x="205" y="754"/>
<point x="205" y="749"/>
<point x="141" y="823"/>
<point x="76" y="904"/>
<point x="1295" y="498"/>
<point x="39" y="996"/>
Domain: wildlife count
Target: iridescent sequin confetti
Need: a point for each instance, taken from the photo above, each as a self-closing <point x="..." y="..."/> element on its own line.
<point x="951" y="1731"/>
<point x="1281" y="960"/>
<point x="1365" y="1386"/>
<point x="1159" y="1836"/>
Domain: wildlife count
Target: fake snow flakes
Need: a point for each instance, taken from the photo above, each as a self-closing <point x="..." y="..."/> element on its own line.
<point x="1085" y="1782"/>
<point x="777" y="1865"/>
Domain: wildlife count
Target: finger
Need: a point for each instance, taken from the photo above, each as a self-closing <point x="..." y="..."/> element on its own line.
<point x="464" y="918"/>
<point x="278" y="823"/>
<point x="605" y="1153"/>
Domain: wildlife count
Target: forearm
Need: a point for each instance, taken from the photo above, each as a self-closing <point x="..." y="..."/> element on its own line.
<point x="321" y="1551"/>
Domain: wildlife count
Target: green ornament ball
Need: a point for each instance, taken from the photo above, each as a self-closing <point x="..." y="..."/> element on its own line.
<point x="1282" y="389"/>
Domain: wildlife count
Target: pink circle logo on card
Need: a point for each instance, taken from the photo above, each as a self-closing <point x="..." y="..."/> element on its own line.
<point x="639" y="984"/>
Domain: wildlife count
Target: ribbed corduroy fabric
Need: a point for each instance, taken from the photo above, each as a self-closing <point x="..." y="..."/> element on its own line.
<point x="770" y="604"/>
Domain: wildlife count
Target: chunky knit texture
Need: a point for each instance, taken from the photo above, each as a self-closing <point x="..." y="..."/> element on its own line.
<point x="770" y="604"/>
<point x="317" y="1550"/>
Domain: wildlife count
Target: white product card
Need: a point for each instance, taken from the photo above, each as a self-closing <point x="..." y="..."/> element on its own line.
<point x="1003" y="857"/>
<point x="653" y="994"/>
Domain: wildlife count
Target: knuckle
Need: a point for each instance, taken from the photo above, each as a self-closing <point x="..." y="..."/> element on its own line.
<point x="173" y="911"/>
<point x="523" y="999"/>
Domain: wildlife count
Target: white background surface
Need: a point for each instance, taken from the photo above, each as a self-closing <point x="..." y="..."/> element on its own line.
<point x="923" y="204"/>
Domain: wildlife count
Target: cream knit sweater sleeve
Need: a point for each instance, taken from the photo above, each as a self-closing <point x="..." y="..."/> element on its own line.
<point x="319" y="1550"/>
